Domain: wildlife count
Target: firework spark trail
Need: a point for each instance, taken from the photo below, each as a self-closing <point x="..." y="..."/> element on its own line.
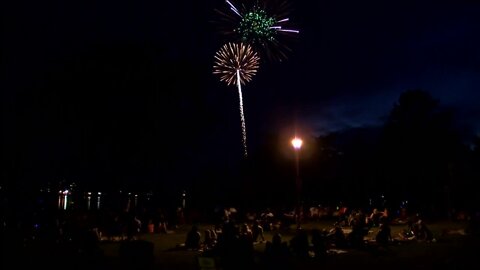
<point x="233" y="8"/>
<point x="237" y="63"/>
<point x="242" y="116"/>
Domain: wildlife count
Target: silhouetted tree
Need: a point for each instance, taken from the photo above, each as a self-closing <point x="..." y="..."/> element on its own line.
<point x="420" y="146"/>
<point x="347" y="165"/>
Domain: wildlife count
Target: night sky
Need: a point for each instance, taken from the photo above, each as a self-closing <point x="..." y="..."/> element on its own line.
<point x="122" y="92"/>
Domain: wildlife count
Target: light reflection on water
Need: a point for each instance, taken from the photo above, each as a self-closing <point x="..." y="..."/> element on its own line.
<point x="68" y="199"/>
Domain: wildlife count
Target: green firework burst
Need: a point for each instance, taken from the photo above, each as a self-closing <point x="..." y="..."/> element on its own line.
<point x="257" y="25"/>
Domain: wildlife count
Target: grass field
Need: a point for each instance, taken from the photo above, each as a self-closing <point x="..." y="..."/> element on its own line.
<point x="451" y="250"/>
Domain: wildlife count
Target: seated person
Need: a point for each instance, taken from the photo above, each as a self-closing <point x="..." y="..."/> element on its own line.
<point x="422" y="232"/>
<point x="193" y="239"/>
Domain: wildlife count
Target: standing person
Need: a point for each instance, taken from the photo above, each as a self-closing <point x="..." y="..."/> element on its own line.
<point x="257" y="232"/>
<point x="384" y="235"/>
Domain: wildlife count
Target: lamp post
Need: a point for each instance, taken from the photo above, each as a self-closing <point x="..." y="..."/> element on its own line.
<point x="297" y="145"/>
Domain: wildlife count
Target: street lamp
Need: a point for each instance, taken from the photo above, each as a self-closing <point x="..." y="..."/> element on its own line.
<point x="184" y="195"/>
<point x="297" y="145"/>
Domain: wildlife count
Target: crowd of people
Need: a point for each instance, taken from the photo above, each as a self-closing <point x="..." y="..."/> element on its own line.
<point x="233" y="242"/>
<point x="231" y="237"/>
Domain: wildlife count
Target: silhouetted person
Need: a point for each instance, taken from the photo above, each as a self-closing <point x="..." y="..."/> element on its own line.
<point x="210" y="238"/>
<point x="257" y="232"/>
<point x="193" y="239"/>
<point x="384" y="235"/>
<point x="337" y="237"/>
<point x="375" y="217"/>
<point x="422" y="232"/>
<point x="359" y="230"/>
<point x="319" y="242"/>
<point x="299" y="243"/>
<point x="277" y="253"/>
<point x="244" y="249"/>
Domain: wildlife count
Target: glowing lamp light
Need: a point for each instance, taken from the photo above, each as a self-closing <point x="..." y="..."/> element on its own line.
<point x="297" y="143"/>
